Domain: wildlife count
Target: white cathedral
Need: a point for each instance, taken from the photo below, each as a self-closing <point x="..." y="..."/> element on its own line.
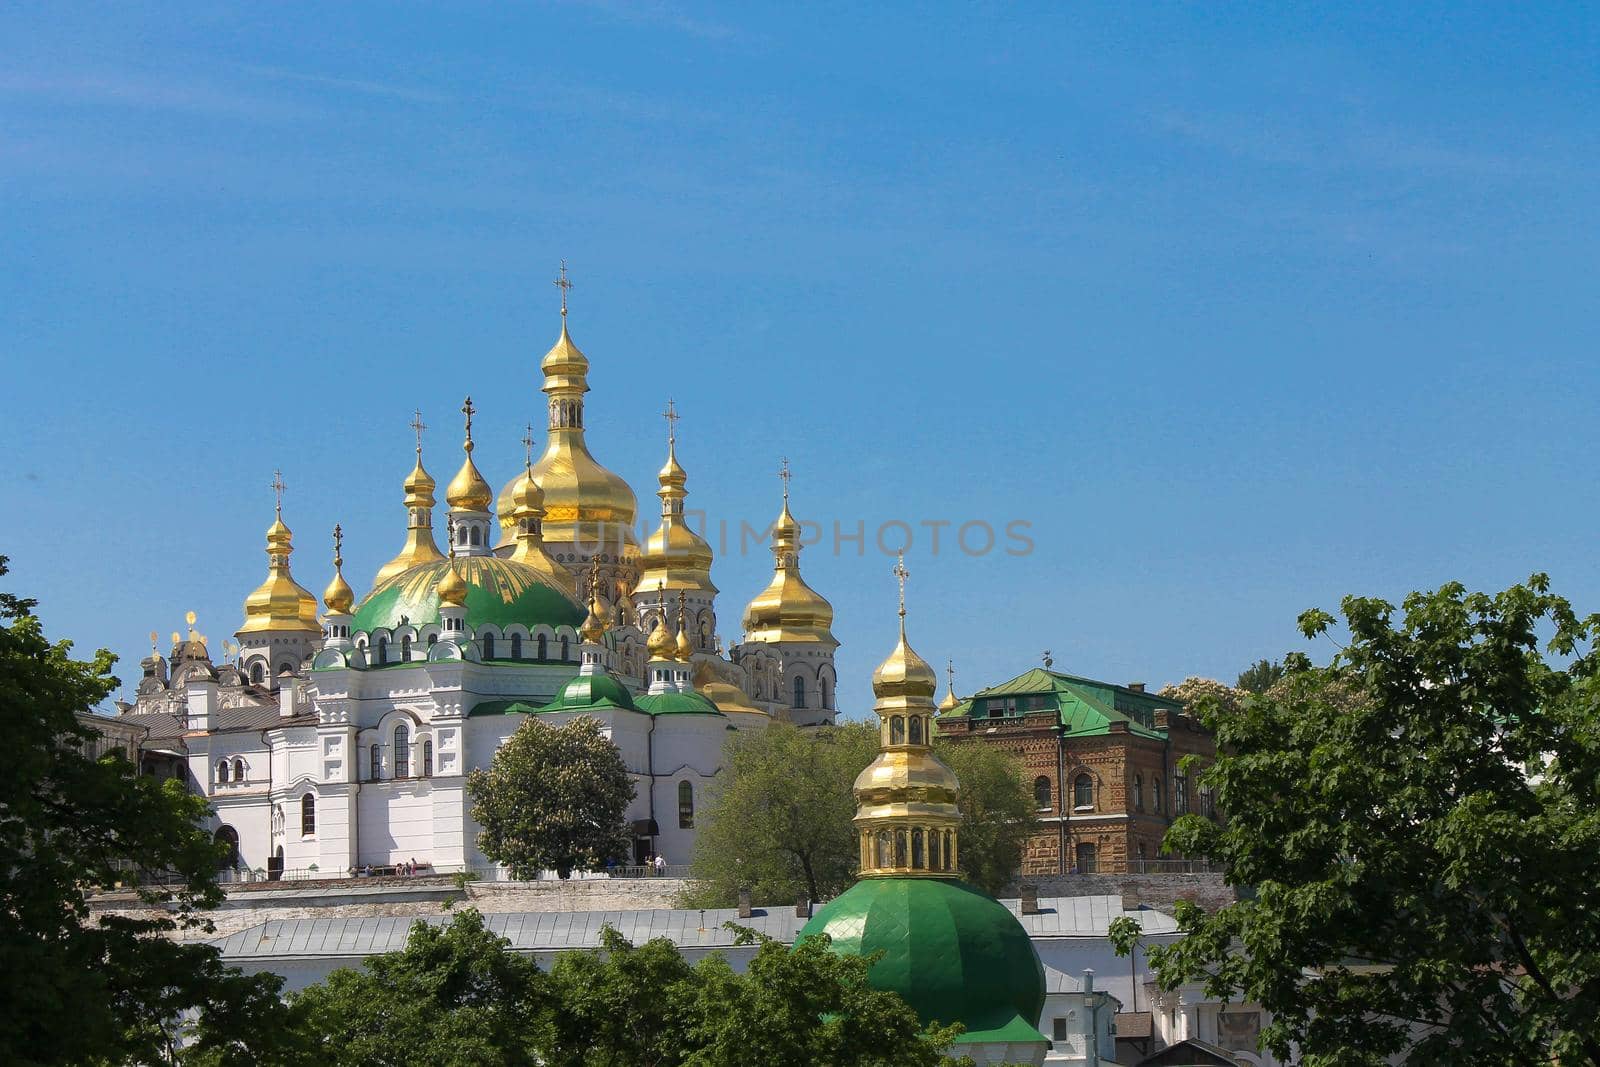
<point x="327" y="746"/>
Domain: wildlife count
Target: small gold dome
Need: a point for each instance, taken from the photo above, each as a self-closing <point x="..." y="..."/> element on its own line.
<point x="950" y="701"/>
<point x="904" y="674"/>
<point x="788" y="610"/>
<point x="280" y="603"/>
<point x="674" y="556"/>
<point x="682" y="649"/>
<point x="660" y="643"/>
<point x="419" y="483"/>
<point x="339" y="597"/>
<point x="452" y="589"/>
<point x="468" y="491"/>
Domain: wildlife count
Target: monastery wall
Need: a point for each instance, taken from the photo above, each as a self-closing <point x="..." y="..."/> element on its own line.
<point x="1157" y="891"/>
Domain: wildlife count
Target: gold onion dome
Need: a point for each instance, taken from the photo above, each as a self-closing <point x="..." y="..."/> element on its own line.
<point x="280" y="603"/>
<point x="660" y="643"/>
<point x="674" y="556"/>
<point x="452" y="589"/>
<point x="788" y="609"/>
<point x="582" y="499"/>
<point x="419" y="547"/>
<point x="527" y="512"/>
<point x="593" y="630"/>
<point x="467" y="490"/>
<point x="682" y="649"/>
<point x="339" y="597"/>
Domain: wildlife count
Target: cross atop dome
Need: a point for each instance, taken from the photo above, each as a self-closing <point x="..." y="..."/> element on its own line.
<point x="902" y="574"/>
<point x="783" y="473"/>
<point x="277" y="488"/>
<point x="671" y="415"/>
<point x="417" y="426"/>
<point x="563" y="283"/>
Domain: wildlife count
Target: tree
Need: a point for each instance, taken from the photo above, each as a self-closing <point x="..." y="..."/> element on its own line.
<point x="998" y="812"/>
<point x="455" y="995"/>
<point x="115" y="989"/>
<point x="1419" y="823"/>
<point x="780" y="822"/>
<point x="1191" y="691"/>
<point x="1259" y="676"/>
<point x="553" y="798"/>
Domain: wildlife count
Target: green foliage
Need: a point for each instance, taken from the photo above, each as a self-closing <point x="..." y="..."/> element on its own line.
<point x="455" y="995"/>
<point x="997" y="812"/>
<point x="1197" y="693"/>
<point x="1420" y="826"/>
<point x="108" y="990"/>
<point x="1259" y="676"/>
<point x="553" y="798"/>
<point x="780" y="820"/>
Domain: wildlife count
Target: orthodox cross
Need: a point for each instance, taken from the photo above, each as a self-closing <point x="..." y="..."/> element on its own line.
<point x="681" y="599"/>
<point x="450" y="533"/>
<point x="950" y="672"/>
<point x="527" y="442"/>
<point x="563" y="284"/>
<point x="338" y="545"/>
<point x="417" y="426"/>
<point x="901" y="573"/>
<point x="467" y="409"/>
<point x="594" y="576"/>
<point x="277" y="488"/>
<point x="783" y="472"/>
<point x="671" y="415"/>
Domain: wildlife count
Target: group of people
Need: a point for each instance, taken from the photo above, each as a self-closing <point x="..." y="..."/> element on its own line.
<point x="405" y="870"/>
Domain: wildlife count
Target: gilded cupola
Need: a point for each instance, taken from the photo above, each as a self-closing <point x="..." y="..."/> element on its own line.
<point x="468" y="491"/>
<point x="906" y="810"/>
<point x="788" y="610"/>
<point x="527" y="513"/>
<point x="950" y="701"/>
<point x="593" y="630"/>
<point x="419" y="547"/>
<point x="452" y="588"/>
<point x="682" y="649"/>
<point x="675" y="557"/>
<point x="584" y="502"/>
<point x="339" y="597"/>
<point x="280" y="603"/>
<point x="660" y="642"/>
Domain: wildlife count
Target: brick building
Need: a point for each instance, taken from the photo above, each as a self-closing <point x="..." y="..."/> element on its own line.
<point x="1104" y="763"/>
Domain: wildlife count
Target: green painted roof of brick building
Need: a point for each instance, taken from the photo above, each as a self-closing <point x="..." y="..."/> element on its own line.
<point x="1085" y="707"/>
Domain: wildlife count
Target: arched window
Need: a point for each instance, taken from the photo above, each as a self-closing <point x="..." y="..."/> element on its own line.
<point x="1083" y="791"/>
<point x="949" y="849"/>
<point x="258" y="673"/>
<point x="402" y="751"/>
<point x="916" y="729"/>
<point x="1155" y="794"/>
<point x="488" y="646"/>
<point x="377" y="763"/>
<point x="433" y="639"/>
<point x="899" y="848"/>
<point x="238" y="770"/>
<point x="1086" y="859"/>
<point x="917" y="849"/>
<point x="1138" y="792"/>
<point x="222" y="772"/>
<point x="427" y="758"/>
<point x="285" y="668"/>
<point x="516" y="646"/>
<point x="799" y="691"/>
<point x="1041" y="793"/>
<point x="1180" y="795"/>
<point x="541" y="647"/>
<point x="565" y="643"/>
<point x="383" y="650"/>
<point x="405" y="649"/>
<point x="308" y="815"/>
<point x="827" y="694"/>
<point x="935" y="851"/>
<point x="685" y="806"/>
<point x="897" y="730"/>
<point x="228" y="838"/>
<point x="476" y="536"/>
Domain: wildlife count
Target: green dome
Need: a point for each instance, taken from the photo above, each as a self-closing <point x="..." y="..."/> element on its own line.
<point x="675" y="703"/>
<point x="599" y="690"/>
<point x="500" y="593"/>
<point x="954" y="953"/>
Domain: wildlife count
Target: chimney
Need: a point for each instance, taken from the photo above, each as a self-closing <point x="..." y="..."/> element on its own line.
<point x="1088" y="980"/>
<point x="1137" y="687"/>
<point x="1130" y="900"/>
<point x="288" y="695"/>
<point x="744" y="903"/>
<point x="1030" y="900"/>
<point x="802" y="907"/>
<point x="200" y="693"/>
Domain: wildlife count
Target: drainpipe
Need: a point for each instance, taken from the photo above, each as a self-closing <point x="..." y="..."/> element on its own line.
<point x="1061" y="799"/>
<point x="1091" y="1001"/>
<point x="650" y="774"/>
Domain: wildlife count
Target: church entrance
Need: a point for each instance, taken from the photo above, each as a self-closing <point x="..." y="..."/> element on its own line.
<point x="275" y="865"/>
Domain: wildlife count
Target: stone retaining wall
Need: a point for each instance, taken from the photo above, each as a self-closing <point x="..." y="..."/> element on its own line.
<point x="1158" y="891"/>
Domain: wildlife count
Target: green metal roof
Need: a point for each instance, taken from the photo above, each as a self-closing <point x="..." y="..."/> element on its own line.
<point x="1084" y="706"/>
<point x="500" y="592"/>
<point x="600" y="690"/>
<point x="675" y="703"/>
<point x="954" y="953"/>
<point x="501" y="707"/>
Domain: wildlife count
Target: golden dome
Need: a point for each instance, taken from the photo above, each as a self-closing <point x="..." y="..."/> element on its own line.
<point x="339" y="597"/>
<point x="788" y="609"/>
<point x="904" y="675"/>
<point x="593" y="629"/>
<point x="728" y="697"/>
<point x="280" y="603"/>
<point x="950" y="701"/>
<point x="660" y="643"/>
<point x="452" y="589"/>
<point x="527" y="512"/>
<point x="419" y="547"/>
<point x="682" y="649"/>
<point x="675" y="557"/>
<point x="583" y="501"/>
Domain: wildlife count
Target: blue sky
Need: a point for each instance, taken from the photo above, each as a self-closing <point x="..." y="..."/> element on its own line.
<point x="1239" y="308"/>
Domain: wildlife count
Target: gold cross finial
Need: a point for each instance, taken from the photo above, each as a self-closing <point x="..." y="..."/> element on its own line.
<point x="783" y="472"/>
<point x="682" y="598"/>
<point x="901" y="573"/>
<point x="671" y="415"/>
<point x="277" y="489"/>
<point x="950" y="672"/>
<point x="594" y="576"/>
<point x="417" y="426"/>
<point x="450" y="533"/>
<point x="527" y="443"/>
<point x="563" y="284"/>
<point x="338" y="546"/>
<point x="467" y="409"/>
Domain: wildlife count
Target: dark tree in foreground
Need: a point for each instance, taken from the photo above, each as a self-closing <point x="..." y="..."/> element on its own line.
<point x="1259" y="676"/>
<point x="553" y="798"/>
<point x="1420" y="821"/>
<point x="111" y="989"/>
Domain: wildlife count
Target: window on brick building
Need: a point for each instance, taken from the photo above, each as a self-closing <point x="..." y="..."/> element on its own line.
<point x="1180" y="796"/>
<point x="1086" y="859"/>
<point x="1041" y="793"/>
<point x="1138" y="792"/>
<point x="1155" y="794"/>
<point x="1083" y="791"/>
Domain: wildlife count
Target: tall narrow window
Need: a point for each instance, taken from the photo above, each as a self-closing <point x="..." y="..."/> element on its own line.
<point x="685" y="806"/>
<point x="541" y="648"/>
<point x="1086" y="859"/>
<point x="882" y="859"/>
<point x="516" y="646"/>
<point x="488" y="646"/>
<point x="1155" y="795"/>
<point x="308" y="815"/>
<point x="405" y="649"/>
<point x="565" y="647"/>
<point x="427" y="758"/>
<point x="1180" y="795"/>
<point x="935" y="851"/>
<point x="258" y="673"/>
<point x="1138" y="792"/>
<point x="402" y="751"/>
<point x="799" y="692"/>
<point x="827" y="694"/>
<point x="1041" y="793"/>
<point x="383" y="650"/>
<point x="899" y="848"/>
<point x="377" y="763"/>
<point x="1083" y="791"/>
<point x="917" y="849"/>
<point x="222" y="772"/>
<point x="238" y="770"/>
<point x="897" y="730"/>
<point x="916" y="729"/>
<point x="228" y="837"/>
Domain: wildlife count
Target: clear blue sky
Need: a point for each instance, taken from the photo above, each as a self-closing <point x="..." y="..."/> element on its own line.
<point x="1241" y="308"/>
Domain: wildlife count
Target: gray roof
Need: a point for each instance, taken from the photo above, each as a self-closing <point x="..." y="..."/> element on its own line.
<point x="561" y="930"/>
<point x="165" y="727"/>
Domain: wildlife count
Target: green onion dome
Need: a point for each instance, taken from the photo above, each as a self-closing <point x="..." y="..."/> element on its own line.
<point x="588" y="691"/>
<point x="954" y="953"/>
<point x="676" y="703"/>
<point x="500" y="592"/>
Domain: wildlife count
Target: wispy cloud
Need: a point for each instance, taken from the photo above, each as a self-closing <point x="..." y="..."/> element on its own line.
<point x="141" y="92"/>
<point x="363" y="87"/>
<point x="658" y="14"/>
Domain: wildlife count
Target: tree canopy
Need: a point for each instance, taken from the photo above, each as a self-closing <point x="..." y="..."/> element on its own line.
<point x="1259" y="676"/>
<point x="1418" y="821"/>
<point x="111" y="989"/>
<point x="779" y="821"/>
<point x="553" y="798"/>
